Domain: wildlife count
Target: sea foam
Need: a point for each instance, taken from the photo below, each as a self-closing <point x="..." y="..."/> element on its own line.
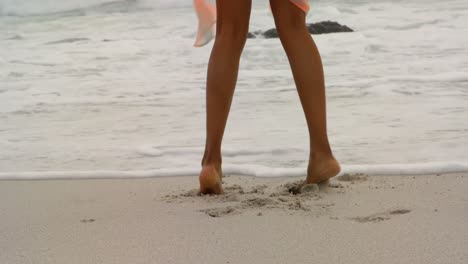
<point x="244" y="170"/>
<point x="44" y="7"/>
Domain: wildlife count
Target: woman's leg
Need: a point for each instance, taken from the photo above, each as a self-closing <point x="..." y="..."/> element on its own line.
<point x="232" y="27"/>
<point x="307" y="70"/>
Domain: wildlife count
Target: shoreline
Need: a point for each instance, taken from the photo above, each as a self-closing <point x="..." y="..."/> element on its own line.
<point x="448" y="167"/>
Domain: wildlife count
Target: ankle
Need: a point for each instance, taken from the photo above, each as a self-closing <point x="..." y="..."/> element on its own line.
<point x="212" y="159"/>
<point x="211" y="156"/>
<point x="212" y="162"/>
<point x="320" y="155"/>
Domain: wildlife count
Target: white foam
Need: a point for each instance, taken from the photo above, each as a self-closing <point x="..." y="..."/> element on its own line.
<point x="243" y="170"/>
<point x="40" y="7"/>
<point x="441" y="77"/>
<point x="158" y="151"/>
<point x="409" y="169"/>
<point x="36" y="7"/>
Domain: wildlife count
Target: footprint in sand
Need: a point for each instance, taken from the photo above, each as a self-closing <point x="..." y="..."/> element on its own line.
<point x="292" y="197"/>
<point x="359" y="177"/>
<point x="87" y="220"/>
<point x="258" y="202"/>
<point x="375" y="218"/>
<point x="218" y="212"/>
<point x="298" y="187"/>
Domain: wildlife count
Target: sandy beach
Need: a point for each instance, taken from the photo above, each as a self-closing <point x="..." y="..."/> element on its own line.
<point x="352" y="219"/>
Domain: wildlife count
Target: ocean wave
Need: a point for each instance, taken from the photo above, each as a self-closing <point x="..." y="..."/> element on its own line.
<point x="244" y="170"/>
<point x="51" y="7"/>
<point x="157" y="151"/>
<point x="440" y="77"/>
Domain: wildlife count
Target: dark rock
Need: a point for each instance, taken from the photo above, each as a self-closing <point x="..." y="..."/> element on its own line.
<point x="323" y="27"/>
<point x="251" y="35"/>
<point x="255" y="34"/>
<point x="327" y="27"/>
<point x="271" y="33"/>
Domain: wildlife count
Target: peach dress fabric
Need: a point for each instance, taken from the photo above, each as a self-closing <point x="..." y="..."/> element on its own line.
<point x="207" y="19"/>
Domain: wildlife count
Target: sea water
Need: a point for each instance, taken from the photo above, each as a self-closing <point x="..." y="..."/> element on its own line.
<point x="100" y="88"/>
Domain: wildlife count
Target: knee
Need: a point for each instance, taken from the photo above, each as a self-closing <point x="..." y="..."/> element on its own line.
<point x="292" y="26"/>
<point x="233" y="35"/>
<point x="289" y="19"/>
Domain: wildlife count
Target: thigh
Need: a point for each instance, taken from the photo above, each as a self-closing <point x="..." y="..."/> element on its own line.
<point x="233" y="15"/>
<point x="287" y="15"/>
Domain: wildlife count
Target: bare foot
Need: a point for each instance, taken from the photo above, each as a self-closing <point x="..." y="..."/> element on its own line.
<point x="322" y="168"/>
<point x="211" y="180"/>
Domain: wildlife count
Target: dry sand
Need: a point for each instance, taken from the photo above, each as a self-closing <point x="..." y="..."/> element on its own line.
<point x="352" y="219"/>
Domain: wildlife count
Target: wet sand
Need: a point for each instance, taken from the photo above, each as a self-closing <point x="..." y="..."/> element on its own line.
<point x="351" y="219"/>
